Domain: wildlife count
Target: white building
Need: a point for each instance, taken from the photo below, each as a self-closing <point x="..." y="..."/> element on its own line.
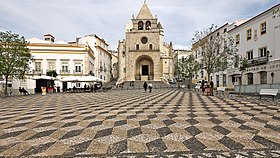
<point x="180" y="54"/>
<point x="258" y="40"/>
<point x="66" y="59"/>
<point x="219" y="78"/>
<point x="103" y="58"/>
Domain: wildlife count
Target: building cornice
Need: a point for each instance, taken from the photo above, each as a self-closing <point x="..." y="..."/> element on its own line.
<point x="254" y="18"/>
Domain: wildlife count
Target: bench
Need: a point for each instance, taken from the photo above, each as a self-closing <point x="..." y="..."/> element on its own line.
<point x="269" y="92"/>
<point x="221" y="89"/>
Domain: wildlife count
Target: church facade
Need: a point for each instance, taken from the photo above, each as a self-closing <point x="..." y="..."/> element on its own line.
<point x="143" y="55"/>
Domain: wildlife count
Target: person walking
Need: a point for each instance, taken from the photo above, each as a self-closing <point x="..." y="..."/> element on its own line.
<point x="211" y="88"/>
<point x="145" y="86"/>
<point x="203" y="87"/>
<point x="150" y="85"/>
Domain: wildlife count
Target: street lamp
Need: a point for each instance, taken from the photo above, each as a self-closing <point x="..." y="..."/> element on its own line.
<point x="267" y="54"/>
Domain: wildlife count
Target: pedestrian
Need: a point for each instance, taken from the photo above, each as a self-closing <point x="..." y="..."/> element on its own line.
<point x="20" y="90"/>
<point x="211" y="88"/>
<point x="25" y="92"/>
<point x="202" y="87"/>
<point x="85" y="87"/>
<point x="150" y="85"/>
<point x="145" y="86"/>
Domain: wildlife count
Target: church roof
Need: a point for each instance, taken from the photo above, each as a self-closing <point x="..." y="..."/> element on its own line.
<point x="145" y="13"/>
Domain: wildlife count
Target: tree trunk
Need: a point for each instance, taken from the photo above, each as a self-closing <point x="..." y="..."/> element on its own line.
<point x="6" y="86"/>
<point x="240" y="84"/>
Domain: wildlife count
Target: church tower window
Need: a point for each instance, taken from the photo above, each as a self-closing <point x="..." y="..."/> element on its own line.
<point x="137" y="46"/>
<point x="148" y="25"/>
<point x="144" y="40"/>
<point x="140" y="25"/>
<point x="151" y="46"/>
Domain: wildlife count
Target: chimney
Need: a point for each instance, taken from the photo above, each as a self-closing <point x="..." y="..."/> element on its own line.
<point x="49" y="37"/>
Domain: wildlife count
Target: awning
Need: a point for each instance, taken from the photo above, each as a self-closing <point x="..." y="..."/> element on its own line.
<point x="43" y="78"/>
<point x="81" y="79"/>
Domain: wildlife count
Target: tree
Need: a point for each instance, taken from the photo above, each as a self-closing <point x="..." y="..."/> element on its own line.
<point x="216" y="49"/>
<point x="14" y="56"/>
<point x="187" y="67"/>
<point x="52" y="73"/>
<point x="242" y="68"/>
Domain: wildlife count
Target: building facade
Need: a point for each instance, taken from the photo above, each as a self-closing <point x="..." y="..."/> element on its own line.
<point x="63" y="58"/>
<point x="103" y="57"/>
<point x="143" y="55"/>
<point x="258" y="40"/>
<point x="220" y="77"/>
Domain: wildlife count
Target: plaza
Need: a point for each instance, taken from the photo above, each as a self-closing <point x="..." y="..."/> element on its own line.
<point x="132" y="123"/>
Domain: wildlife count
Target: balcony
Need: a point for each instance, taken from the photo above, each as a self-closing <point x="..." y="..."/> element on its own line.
<point x="258" y="61"/>
<point x="64" y="72"/>
<point x="37" y="72"/>
<point x="77" y="72"/>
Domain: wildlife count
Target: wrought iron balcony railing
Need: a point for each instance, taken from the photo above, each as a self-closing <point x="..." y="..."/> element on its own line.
<point x="258" y="61"/>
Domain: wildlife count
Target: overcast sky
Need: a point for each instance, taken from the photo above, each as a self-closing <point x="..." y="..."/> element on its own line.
<point x="68" y="19"/>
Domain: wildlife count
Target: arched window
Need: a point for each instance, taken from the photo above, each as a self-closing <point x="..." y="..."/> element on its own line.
<point x="151" y="46"/>
<point x="140" y="25"/>
<point x="148" y="25"/>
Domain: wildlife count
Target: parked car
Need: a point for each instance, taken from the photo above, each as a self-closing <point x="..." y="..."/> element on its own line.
<point x="179" y="80"/>
<point x="171" y="81"/>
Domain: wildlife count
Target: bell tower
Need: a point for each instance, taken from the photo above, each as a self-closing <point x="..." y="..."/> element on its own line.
<point x="141" y="51"/>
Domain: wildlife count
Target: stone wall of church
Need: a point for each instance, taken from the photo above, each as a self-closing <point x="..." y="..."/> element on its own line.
<point x="132" y="58"/>
<point x="135" y="38"/>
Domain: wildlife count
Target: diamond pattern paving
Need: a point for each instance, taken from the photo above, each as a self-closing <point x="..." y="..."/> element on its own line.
<point x="132" y="123"/>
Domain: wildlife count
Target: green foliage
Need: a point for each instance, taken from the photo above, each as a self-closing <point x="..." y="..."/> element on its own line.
<point x="187" y="67"/>
<point x="52" y="73"/>
<point x="14" y="56"/>
<point x="243" y="66"/>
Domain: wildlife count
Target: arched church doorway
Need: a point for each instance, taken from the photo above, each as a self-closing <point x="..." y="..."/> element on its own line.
<point x="144" y="68"/>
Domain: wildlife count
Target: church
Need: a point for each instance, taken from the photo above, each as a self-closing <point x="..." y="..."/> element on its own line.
<point x="143" y="55"/>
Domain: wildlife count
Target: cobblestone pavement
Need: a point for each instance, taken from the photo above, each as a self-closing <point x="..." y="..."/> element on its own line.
<point x="164" y="123"/>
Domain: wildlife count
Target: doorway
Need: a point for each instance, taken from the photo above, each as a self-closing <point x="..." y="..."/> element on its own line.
<point x="145" y="70"/>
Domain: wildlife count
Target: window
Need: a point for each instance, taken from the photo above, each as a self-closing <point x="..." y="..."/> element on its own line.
<point x="137" y="46"/>
<point x="144" y="40"/>
<point x="51" y="65"/>
<point x="78" y="84"/>
<point x="148" y="25"/>
<point x="225" y="30"/>
<point x="237" y="39"/>
<point x="262" y="52"/>
<point x="250" y="78"/>
<point x="64" y="66"/>
<point x="250" y="55"/>
<point x="224" y="80"/>
<point x="263" y="77"/>
<point x="263" y="28"/>
<point x="151" y="46"/>
<point x="37" y="66"/>
<point x="140" y="25"/>
<point x="218" y="34"/>
<point x="249" y="34"/>
<point x="78" y="68"/>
